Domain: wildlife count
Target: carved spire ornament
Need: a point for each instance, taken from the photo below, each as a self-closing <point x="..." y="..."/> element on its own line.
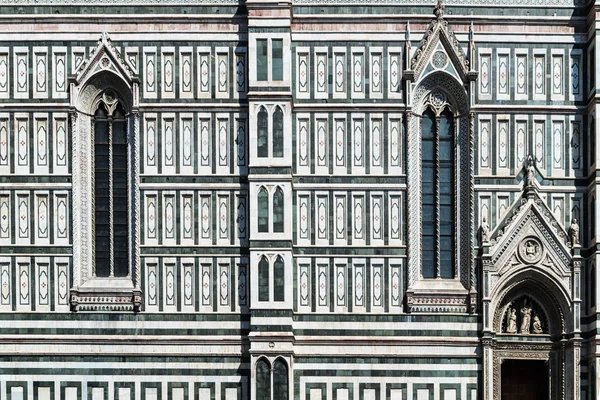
<point x="439" y="9"/>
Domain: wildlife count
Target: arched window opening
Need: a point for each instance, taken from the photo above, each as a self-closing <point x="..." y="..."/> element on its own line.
<point x="280" y="380"/>
<point x="111" y="191"/>
<point x="278" y="132"/>
<point x="428" y="203"/>
<point x="278" y="210"/>
<point x="263" y="210"/>
<point x="437" y="191"/>
<point x="263" y="380"/>
<point x="262" y="136"/>
<point x="278" y="280"/>
<point x="263" y="279"/>
<point x="446" y="194"/>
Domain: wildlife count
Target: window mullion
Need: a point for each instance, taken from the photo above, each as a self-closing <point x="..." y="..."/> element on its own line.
<point x="110" y="199"/>
<point x="437" y="197"/>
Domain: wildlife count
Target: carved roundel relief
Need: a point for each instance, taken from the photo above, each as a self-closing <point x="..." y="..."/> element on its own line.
<point x="105" y="62"/>
<point x="530" y="250"/>
<point x="439" y="59"/>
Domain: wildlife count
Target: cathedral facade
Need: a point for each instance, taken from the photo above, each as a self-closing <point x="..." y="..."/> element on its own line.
<point x="320" y="200"/>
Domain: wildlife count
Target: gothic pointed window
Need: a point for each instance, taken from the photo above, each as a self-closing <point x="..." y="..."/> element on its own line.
<point x="437" y="194"/>
<point x="278" y="132"/>
<point x="262" y="133"/>
<point x="263" y="210"/>
<point x="272" y="383"/>
<point x="278" y="210"/>
<point x="111" y="205"/>
<point x="263" y="279"/>
<point x="279" y="280"/>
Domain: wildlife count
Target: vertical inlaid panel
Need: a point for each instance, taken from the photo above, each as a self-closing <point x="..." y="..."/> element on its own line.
<point x="40" y="72"/>
<point x="5" y="283"/>
<point x="204" y="74"/>
<point x="377" y="217"/>
<point x="340" y="284"/>
<point x="240" y="72"/>
<point x="358" y="218"/>
<point x="539" y="142"/>
<point x="359" y="281"/>
<point x="358" y="72"/>
<point x="42" y="284"/>
<point x="187" y="141"/>
<point x="223" y="217"/>
<point x="242" y="284"/>
<point x="41" y="147"/>
<point x="168" y="144"/>
<point x="321" y="73"/>
<point x="188" y="289"/>
<point x="303" y="132"/>
<point x="303" y="80"/>
<point x="557" y="145"/>
<point x="206" y="284"/>
<point x="358" y="145"/>
<point x="575" y="75"/>
<point x="376" y="144"/>
<point x="23" y="233"/>
<point x="5" y="218"/>
<point x="61" y="217"/>
<point x="322" y="219"/>
<point x="395" y="217"/>
<point x="4" y="73"/>
<point x="59" y="70"/>
<point x="503" y="146"/>
<point x="21" y="73"/>
<point x="304" y="283"/>
<point x="186" y="72"/>
<point x="150" y="73"/>
<point x="187" y="217"/>
<point x="339" y="68"/>
<point x="557" y="76"/>
<point x="223" y="284"/>
<point x="340" y="141"/>
<point x="205" y="218"/>
<point x="24" y="282"/>
<point x="322" y="145"/>
<point x="376" y="73"/>
<point x="22" y="144"/>
<point x="322" y="283"/>
<point x="395" y="143"/>
<point x="304" y="215"/>
<point x="340" y="218"/>
<point x="223" y="144"/>
<point x="521" y="76"/>
<point x="168" y="214"/>
<point x="5" y="144"/>
<point x="521" y="143"/>
<point x="62" y="282"/>
<point x="168" y="72"/>
<point x="503" y="79"/>
<point x="42" y="215"/>
<point x="485" y="144"/>
<point x="169" y="283"/>
<point x="575" y="142"/>
<point x="151" y="213"/>
<point x="485" y="74"/>
<point x="539" y="76"/>
<point x="151" y="144"/>
<point x="204" y="144"/>
<point x="396" y="285"/>
<point x="151" y="283"/>
<point x="241" y="141"/>
<point x="242" y="216"/>
<point x="222" y="74"/>
<point x="377" y="284"/>
<point x="394" y="72"/>
<point x="61" y="144"/>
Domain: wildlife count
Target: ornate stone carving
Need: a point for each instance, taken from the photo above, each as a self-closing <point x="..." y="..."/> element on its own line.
<point x="574" y="232"/>
<point x="530" y="250"/>
<point x="524" y="316"/>
<point x="484" y="230"/>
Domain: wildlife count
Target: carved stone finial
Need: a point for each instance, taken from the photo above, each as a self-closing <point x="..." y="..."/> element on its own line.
<point x="574" y="232"/>
<point x="485" y="231"/>
<point x="439" y="9"/>
<point x="104" y="37"/>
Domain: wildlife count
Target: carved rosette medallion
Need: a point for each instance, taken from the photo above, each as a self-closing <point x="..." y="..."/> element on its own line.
<point x="439" y="59"/>
<point x="530" y="250"/>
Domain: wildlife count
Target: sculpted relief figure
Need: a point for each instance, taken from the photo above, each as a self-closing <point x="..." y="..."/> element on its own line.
<point x="574" y="230"/>
<point x="485" y="231"/>
<point x="525" y="318"/>
<point x="537" y="325"/>
<point x="511" y="320"/>
<point x="530" y="175"/>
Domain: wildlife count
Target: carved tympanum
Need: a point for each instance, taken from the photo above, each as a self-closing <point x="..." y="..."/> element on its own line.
<point x="524" y="316"/>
